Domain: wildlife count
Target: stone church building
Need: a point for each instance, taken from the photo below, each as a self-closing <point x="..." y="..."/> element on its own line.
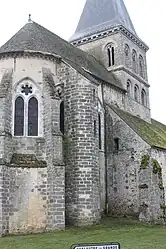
<point x="76" y="136"/>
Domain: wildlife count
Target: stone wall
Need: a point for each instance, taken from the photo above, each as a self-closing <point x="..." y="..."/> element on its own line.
<point x="124" y="71"/>
<point x="133" y="189"/>
<point x="151" y="190"/>
<point x="32" y="182"/>
<point x="81" y="150"/>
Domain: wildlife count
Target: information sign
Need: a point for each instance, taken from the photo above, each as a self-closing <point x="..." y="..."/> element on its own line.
<point x="97" y="246"/>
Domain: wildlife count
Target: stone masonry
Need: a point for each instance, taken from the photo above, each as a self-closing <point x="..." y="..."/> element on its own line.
<point x="77" y="140"/>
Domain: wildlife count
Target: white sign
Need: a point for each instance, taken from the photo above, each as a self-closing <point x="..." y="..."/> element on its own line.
<point x="98" y="246"/>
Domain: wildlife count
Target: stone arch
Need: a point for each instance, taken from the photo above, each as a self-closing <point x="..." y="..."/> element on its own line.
<point x="19" y="116"/>
<point x="141" y="66"/>
<point x="136" y="93"/>
<point x="33" y="116"/>
<point x="110" y="50"/>
<point x="143" y="97"/>
<point x="28" y="89"/>
<point x="127" y="55"/>
<point x="26" y="78"/>
<point x="129" y="86"/>
<point x="134" y="60"/>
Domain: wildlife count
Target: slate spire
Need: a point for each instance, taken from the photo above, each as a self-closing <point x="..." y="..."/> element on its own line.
<point x="99" y="15"/>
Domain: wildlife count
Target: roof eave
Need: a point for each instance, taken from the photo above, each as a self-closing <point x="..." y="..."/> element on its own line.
<point x="26" y="52"/>
<point x="87" y="37"/>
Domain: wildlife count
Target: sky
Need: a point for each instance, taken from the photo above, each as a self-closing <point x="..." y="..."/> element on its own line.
<point x="62" y="16"/>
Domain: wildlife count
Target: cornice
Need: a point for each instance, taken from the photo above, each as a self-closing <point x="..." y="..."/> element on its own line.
<point x="30" y="53"/>
<point x="134" y="75"/>
<point x="104" y="33"/>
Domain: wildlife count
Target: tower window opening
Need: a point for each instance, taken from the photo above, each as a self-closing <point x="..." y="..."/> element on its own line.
<point x="127" y="50"/>
<point x="143" y="98"/>
<point x="134" y="61"/>
<point x="111" y="56"/>
<point x="141" y="66"/>
<point x="136" y="93"/>
<point x="129" y="87"/>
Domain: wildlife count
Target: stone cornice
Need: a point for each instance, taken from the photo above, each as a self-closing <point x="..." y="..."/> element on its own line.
<point x="104" y="33"/>
<point x="134" y="75"/>
<point x="30" y="53"/>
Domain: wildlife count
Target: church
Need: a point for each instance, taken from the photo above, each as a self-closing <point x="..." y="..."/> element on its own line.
<point x="77" y="140"/>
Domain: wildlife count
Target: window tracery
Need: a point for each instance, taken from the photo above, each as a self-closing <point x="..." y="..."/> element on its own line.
<point x="26" y="109"/>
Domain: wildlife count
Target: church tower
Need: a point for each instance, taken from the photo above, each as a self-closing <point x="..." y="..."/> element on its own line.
<point x="106" y="31"/>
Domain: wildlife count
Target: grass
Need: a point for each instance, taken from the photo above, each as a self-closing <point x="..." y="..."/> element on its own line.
<point x="130" y="233"/>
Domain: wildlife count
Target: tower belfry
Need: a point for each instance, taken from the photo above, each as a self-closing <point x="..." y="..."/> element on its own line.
<point x="105" y="30"/>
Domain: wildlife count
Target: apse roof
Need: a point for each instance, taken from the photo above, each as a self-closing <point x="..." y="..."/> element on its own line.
<point x="34" y="37"/>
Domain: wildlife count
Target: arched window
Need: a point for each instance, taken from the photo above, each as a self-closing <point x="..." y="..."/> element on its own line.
<point x="62" y="117"/>
<point x="134" y="61"/>
<point x="33" y="117"/>
<point x="19" y="117"/>
<point x="129" y="87"/>
<point x="127" y="55"/>
<point x="136" y="93"/>
<point x="27" y="112"/>
<point x="127" y="50"/>
<point x="111" y="55"/>
<point x="100" y="140"/>
<point x="141" y="66"/>
<point x="143" y="98"/>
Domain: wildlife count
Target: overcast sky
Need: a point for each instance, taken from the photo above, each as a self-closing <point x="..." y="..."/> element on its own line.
<point x="61" y="17"/>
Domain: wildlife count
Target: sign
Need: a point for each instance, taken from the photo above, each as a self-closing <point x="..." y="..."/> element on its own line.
<point x="97" y="246"/>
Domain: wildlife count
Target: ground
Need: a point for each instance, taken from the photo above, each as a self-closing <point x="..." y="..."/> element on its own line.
<point x="130" y="233"/>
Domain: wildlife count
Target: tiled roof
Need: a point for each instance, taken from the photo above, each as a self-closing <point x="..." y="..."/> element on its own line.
<point x="34" y="37"/>
<point x="153" y="133"/>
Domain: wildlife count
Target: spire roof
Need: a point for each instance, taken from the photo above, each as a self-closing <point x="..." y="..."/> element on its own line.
<point x="100" y="15"/>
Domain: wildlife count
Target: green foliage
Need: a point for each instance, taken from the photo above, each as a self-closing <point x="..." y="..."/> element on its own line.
<point x="66" y="143"/>
<point x="156" y="166"/>
<point x="161" y="186"/>
<point x="163" y="207"/>
<point x="143" y="186"/>
<point x="145" y="161"/>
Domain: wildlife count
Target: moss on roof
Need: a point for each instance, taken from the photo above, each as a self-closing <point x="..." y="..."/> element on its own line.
<point x="26" y="161"/>
<point x="154" y="134"/>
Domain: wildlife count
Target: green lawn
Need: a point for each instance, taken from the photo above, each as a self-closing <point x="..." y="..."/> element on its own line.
<point x="131" y="235"/>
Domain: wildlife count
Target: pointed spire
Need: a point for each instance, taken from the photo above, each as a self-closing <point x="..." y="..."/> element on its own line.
<point x="100" y="15"/>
